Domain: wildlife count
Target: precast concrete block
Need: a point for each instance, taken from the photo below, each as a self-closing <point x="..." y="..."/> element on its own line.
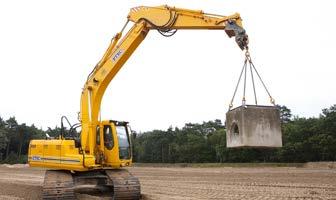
<point x="253" y="126"/>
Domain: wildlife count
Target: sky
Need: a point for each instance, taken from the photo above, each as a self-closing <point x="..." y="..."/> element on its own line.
<point x="47" y="49"/>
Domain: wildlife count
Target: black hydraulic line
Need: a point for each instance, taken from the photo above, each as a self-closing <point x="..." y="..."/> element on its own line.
<point x="62" y="126"/>
<point x="74" y="127"/>
<point x="165" y="29"/>
<point x="94" y="69"/>
<point x="168" y="33"/>
<point x="64" y="117"/>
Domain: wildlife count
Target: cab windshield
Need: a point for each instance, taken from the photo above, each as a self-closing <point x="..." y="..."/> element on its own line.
<point x="124" y="144"/>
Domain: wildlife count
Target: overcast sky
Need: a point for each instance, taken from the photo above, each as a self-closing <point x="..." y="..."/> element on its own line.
<point x="47" y="49"/>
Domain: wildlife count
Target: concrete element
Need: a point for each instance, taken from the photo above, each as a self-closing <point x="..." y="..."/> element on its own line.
<point x="253" y="126"/>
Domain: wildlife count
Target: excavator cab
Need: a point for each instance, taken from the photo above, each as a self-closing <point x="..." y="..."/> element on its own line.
<point x="113" y="141"/>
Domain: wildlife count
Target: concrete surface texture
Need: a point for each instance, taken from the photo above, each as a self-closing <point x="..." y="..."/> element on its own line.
<point x="253" y="126"/>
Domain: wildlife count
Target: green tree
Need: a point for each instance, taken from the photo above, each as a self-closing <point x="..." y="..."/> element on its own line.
<point x="3" y="138"/>
<point x="285" y="114"/>
<point x="11" y="127"/>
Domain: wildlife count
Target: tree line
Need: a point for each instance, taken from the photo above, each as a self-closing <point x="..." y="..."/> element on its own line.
<point x="14" y="140"/>
<point x="304" y="139"/>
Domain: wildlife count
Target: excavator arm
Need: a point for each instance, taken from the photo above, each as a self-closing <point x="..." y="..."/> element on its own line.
<point x="164" y="19"/>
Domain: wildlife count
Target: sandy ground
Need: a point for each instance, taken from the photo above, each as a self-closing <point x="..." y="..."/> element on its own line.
<point x="22" y="182"/>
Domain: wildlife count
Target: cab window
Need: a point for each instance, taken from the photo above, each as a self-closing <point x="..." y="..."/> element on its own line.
<point x="98" y="135"/>
<point x="108" y="137"/>
<point x="124" y="143"/>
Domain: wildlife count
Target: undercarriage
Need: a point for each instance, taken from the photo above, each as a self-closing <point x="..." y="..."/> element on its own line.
<point x="119" y="184"/>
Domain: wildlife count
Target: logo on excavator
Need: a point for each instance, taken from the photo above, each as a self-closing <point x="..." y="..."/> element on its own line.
<point x="36" y="158"/>
<point x="117" y="55"/>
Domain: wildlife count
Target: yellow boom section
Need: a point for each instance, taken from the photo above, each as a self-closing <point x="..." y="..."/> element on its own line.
<point x="177" y="18"/>
<point x="162" y="18"/>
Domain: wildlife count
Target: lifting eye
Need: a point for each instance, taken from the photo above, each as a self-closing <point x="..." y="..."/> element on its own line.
<point x="234" y="129"/>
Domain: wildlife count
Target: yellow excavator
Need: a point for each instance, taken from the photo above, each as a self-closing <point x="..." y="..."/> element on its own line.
<point x="93" y="158"/>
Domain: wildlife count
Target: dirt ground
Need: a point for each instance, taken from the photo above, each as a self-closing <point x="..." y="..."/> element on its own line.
<point x="173" y="183"/>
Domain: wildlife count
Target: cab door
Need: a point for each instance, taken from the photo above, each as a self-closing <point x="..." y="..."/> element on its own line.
<point x="99" y="145"/>
<point x="110" y="152"/>
<point x="117" y="150"/>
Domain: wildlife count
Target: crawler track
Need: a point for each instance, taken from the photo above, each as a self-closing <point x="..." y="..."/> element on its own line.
<point x="125" y="185"/>
<point x="58" y="185"/>
<point x="62" y="184"/>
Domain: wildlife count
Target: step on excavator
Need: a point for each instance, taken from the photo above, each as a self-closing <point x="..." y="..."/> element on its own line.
<point x="93" y="158"/>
